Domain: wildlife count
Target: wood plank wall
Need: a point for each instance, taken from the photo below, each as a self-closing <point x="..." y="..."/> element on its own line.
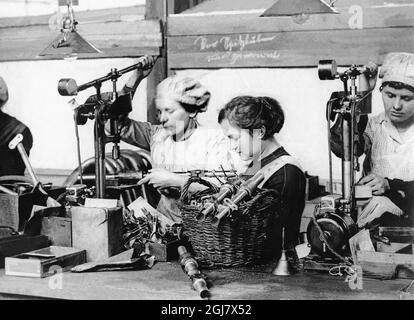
<point x="364" y="29"/>
<point x="118" y="32"/>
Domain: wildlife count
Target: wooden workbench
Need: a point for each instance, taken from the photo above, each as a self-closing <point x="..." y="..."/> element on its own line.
<point x="166" y="281"/>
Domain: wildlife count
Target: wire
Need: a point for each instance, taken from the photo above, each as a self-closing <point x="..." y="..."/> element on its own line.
<point x="347" y="269"/>
<point x="75" y="116"/>
<point x="214" y="173"/>
<point x="224" y="172"/>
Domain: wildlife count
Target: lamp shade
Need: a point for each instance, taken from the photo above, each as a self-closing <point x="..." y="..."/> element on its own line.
<point x="69" y="43"/>
<point x="298" y="7"/>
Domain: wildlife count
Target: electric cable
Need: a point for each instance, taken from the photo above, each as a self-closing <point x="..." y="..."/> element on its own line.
<point x="75" y="116"/>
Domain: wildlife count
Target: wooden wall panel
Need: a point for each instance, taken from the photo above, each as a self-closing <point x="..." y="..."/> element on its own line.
<point x="300" y="49"/>
<point x="247" y="40"/>
<point x="374" y="17"/>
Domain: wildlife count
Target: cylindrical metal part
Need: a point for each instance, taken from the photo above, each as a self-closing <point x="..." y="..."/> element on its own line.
<point x="200" y="285"/>
<point x="327" y="69"/>
<point x="26" y="161"/>
<point x="127" y="196"/>
<point x="99" y="156"/>
<point x="181" y="250"/>
<point x="246" y="189"/>
<point x="115" y="151"/>
<point x="190" y="267"/>
<point x="346" y="159"/>
<point x="8" y="191"/>
<point x="67" y="87"/>
<point x="226" y="191"/>
<point x="226" y="211"/>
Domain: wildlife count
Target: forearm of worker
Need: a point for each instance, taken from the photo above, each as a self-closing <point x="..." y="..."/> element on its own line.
<point x="133" y="82"/>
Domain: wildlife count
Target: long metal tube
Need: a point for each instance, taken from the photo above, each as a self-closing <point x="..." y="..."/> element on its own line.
<point x="99" y="144"/>
<point x="347" y="159"/>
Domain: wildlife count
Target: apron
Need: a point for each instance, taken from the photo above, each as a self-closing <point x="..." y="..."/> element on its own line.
<point x="271" y="168"/>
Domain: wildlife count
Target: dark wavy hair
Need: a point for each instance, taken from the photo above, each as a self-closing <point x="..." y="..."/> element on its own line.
<point x="396" y="85"/>
<point x="252" y="113"/>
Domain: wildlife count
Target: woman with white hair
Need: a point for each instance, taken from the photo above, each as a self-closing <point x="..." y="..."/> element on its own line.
<point x="179" y="143"/>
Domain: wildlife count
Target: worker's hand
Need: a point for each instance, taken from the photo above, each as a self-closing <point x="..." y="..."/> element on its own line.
<point x="378" y="184"/>
<point x="370" y="72"/>
<point x="147" y="65"/>
<point x="161" y="178"/>
<point x="375" y="208"/>
<point x="139" y="74"/>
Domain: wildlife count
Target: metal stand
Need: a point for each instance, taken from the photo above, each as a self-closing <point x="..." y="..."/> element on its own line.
<point x="349" y="112"/>
<point x="333" y="222"/>
<point x="101" y="111"/>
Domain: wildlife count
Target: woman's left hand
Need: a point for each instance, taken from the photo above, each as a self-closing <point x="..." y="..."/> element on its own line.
<point x="378" y="184"/>
<point x="161" y="178"/>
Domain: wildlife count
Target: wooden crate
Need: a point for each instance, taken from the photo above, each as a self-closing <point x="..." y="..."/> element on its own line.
<point x="389" y="261"/>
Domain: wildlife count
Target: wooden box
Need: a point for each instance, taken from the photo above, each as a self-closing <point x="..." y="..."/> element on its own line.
<point x="58" y="230"/>
<point x="15" y="209"/>
<point x="44" y="262"/>
<point x="390" y="259"/>
<point x="13" y="245"/>
<point x="98" y="231"/>
<point x="395" y="260"/>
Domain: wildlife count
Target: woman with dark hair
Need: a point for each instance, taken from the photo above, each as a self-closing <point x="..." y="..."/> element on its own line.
<point x="251" y="123"/>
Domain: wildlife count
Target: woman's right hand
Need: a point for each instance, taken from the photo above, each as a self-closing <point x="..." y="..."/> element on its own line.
<point x="161" y="178"/>
<point x="140" y="74"/>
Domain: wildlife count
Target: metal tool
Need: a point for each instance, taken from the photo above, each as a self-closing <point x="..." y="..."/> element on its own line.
<point x="17" y="143"/>
<point x="190" y="267"/>
<point x="331" y="228"/>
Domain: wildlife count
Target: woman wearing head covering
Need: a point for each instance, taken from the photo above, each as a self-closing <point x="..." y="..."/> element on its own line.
<point x="179" y="143"/>
<point x="251" y="123"/>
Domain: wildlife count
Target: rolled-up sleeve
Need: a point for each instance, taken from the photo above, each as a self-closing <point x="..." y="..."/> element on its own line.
<point x="138" y="133"/>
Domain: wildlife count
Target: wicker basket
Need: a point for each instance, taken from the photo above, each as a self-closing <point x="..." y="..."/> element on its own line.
<point x="242" y="238"/>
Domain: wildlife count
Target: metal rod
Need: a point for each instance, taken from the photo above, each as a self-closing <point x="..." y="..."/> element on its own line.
<point x="8" y="191"/>
<point x="109" y="76"/>
<point x="29" y="167"/>
<point x="99" y="144"/>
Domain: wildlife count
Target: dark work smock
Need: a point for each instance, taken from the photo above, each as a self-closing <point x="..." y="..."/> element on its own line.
<point x="11" y="162"/>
